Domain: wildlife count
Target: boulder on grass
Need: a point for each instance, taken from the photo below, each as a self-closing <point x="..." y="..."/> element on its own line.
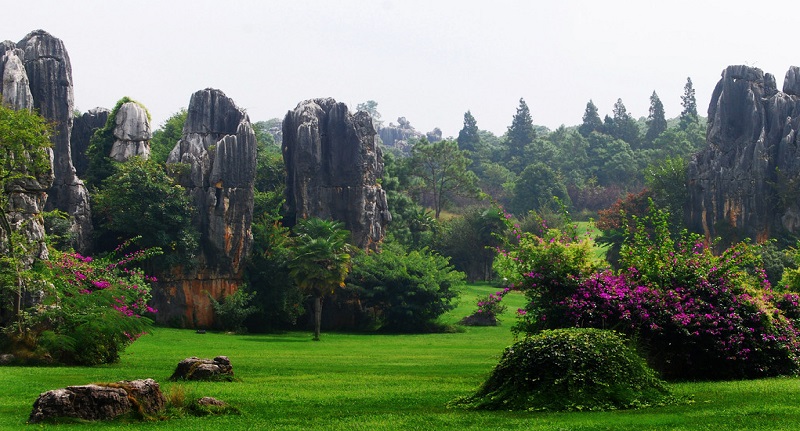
<point x="100" y="401"/>
<point x="194" y="368"/>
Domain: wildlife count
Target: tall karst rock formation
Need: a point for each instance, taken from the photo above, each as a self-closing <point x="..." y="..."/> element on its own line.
<point x="333" y="164"/>
<point x="49" y="74"/>
<point x="26" y="197"/>
<point x="218" y="148"/>
<point x="745" y="184"/>
<point x="131" y="133"/>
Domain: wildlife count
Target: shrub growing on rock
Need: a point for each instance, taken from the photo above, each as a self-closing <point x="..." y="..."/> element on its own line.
<point x="569" y="369"/>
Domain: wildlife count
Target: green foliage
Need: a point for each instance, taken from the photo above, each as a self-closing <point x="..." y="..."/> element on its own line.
<point x="536" y="187"/>
<point x="546" y="268"/>
<point x="470" y="241"/>
<point x="91" y="309"/>
<point x="520" y="134"/>
<point x="320" y="260"/>
<point x="591" y="120"/>
<point x="695" y="314"/>
<point x="406" y="291"/>
<point x="689" y="104"/>
<point x="468" y="137"/>
<point x="24" y="155"/>
<point x="139" y="198"/>
<point x="233" y="309"/>
<point x="667" y="182"/>
<point x="57" y="226"/>
<point x="101" y="166"/>
<point x="270" y="177"/>
<point x="279" y="301"/>
<point x="443" y="172"/>
<point x="656" y="121"/>
<point x="623" y="126"/>
<point x="570" y="369"/>
<point x="165" y="138"/>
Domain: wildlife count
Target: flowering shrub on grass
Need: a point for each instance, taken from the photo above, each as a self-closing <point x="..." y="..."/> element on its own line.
<point x="91" y="308"/>
<point x="693" y="313"/>
<point x="489" y="307"/>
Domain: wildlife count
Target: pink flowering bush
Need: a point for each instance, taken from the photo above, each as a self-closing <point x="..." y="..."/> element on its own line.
<point x="489" y="307"/>
<point x="546" y="268"/>
<point x="693" y="313"/>
<point x="92" y="308"/>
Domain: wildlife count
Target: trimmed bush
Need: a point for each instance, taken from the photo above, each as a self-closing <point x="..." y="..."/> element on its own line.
<point x="569" y="369"/>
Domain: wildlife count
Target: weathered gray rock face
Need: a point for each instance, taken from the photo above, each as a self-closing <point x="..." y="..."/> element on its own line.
<point x="26" y="197"/>
<point x="745" y="183"/>
<point x="50" y="77"/>
<point x="132" y="133"/>
<point x="332" y="165"/>
<point x="99" y="402"/>
<point x="83" y="128"/>
<point x="219" y="148"/>
<point x="397" y="136"/>
<point x="15" y="87"/>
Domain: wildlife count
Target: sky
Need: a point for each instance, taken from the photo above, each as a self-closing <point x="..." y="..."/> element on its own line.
<point x="427" y="60"/>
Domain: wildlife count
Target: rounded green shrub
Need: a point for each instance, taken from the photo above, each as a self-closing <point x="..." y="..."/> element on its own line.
<point x="569" y="369"/>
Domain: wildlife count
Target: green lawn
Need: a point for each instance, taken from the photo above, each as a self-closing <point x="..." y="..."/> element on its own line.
<point x="381" y="382"/>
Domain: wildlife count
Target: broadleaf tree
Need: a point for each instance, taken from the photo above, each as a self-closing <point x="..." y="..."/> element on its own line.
<point x="443" y="171"/>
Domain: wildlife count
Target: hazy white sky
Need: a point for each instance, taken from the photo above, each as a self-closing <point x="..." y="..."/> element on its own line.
<point x="427" y="60"/>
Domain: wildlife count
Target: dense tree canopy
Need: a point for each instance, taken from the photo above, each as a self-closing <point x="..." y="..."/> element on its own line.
<point x="140" y="199"/>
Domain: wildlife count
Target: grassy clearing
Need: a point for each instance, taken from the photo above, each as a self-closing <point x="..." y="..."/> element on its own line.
<point x="381" y="382"/>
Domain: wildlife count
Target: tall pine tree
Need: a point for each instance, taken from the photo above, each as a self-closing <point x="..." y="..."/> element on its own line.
<point x="591" y="120"/>
<point x="623" y="126"/>
<point x="689" y="103"/>
<point x="656" y="121"/>
<point x="520" y="135"/>
<point x="469" y="138"/>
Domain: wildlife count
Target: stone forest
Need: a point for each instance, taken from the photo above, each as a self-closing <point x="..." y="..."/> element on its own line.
<point x="616" y="261"/>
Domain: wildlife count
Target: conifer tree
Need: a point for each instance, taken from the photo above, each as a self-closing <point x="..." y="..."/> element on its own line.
<point x="520" y="135"/>
<point x="591" y="120"/>
<point x="623" y="126"/>
<point x="656" y="121"/>
<point x="689" y="103"/>
<point x="468" y="138"/>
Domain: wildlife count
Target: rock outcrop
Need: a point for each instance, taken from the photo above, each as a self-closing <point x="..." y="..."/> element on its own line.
<point x="332" y="165"/>
<point x="83" y="128"/>
<point x="745" y="183"/>
<point x="49" y="74"/>
<point x="26" y="197"/>
<point x="194" y="368"/>
<point x="131" y="133"/>
<point x="397" y="136"/>
<point x="219" y="149"/>
<point x="99" y="401"/>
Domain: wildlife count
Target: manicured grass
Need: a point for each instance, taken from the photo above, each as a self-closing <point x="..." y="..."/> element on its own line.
<point x="381" y="382"/>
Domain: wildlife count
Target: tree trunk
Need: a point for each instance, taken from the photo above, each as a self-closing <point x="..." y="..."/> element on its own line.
<point x="317" y="316"/>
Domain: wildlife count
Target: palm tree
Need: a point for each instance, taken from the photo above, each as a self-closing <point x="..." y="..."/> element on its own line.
<point x="320" y="261"/>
